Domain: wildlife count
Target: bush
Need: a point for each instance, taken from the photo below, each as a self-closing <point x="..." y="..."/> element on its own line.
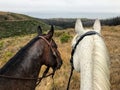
<point x="1" y="45"/>
<point x="65" y="38"/>
<point x="58" y="33"/>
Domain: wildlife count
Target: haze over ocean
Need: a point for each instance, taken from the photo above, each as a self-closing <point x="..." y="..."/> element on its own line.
<point x="73" y="15"/>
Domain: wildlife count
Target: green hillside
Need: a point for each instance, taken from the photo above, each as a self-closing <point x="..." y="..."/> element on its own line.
<point x="12" y="24"/>
<point x="8" y="16"/>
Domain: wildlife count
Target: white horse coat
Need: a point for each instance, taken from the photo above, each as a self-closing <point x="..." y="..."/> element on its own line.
<point x="91" y="58"/>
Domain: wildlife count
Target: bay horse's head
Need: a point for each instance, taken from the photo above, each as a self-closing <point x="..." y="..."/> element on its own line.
<point x="50" y="54"/>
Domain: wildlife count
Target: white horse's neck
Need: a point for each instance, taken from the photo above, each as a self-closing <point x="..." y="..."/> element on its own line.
<point x="87" y="78"/>
<point x="92" y="56"/>
<point x="86" y="63"/>
<point x="86" y="75"/>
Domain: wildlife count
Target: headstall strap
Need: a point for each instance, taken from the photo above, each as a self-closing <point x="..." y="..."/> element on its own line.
<point x="47" y="43"/>
<point x="45" y="40"/>
<point x="86" y="34"/>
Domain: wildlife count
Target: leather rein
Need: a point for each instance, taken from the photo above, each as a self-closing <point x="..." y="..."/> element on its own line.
<point x="74" y="49"/>
<point x="22" y="78"/>
<point x="39" y="78"/>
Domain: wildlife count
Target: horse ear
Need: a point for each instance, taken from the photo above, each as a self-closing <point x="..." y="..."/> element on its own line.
<point x="50" y="33"/>
<point x="97" y="26"/>
<point x="79" y="27"/>
<point x="39" y="30"/>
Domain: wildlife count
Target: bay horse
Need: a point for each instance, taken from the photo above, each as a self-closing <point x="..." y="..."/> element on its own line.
<point x="22" y="70"/>
<point x="90" y="57"/>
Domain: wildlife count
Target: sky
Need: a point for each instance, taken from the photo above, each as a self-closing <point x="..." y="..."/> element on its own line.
<point x="63" y="8"/>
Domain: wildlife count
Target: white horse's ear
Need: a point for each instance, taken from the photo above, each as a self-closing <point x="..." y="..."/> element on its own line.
<point x="79" y="27"/>
<point x="97" y="26"/>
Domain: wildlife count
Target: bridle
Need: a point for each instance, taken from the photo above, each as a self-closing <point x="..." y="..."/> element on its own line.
<point x="89" y="33"/>
<point x="49" y="43"/>
<point x="39" y="78"/>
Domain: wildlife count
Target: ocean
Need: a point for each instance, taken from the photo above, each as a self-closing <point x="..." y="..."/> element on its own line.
<point x="73" y="15"/>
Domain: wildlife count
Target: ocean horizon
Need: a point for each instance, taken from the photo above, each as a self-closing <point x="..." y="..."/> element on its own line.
<point x="72" y="15"/>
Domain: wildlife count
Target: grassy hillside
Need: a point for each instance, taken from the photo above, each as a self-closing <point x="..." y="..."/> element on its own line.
<point x="9" y="16"/>
<point x="12" y="24"/>
<point x="15" y="28"/>
<point x="9" y="46"/>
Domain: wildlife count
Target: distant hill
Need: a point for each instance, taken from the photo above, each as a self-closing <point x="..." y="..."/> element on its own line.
<point x="70" y="23"/>
<point x="13" y="24"/>
<point x="61" y="22"/>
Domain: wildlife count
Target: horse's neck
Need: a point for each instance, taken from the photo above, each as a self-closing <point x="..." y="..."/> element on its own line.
<point x="87" y="77"/>
<point x="31" y="63"/>
<point x="27" y="64"/>
<point x="94" y="64"/>
<point x="86" y="63"/>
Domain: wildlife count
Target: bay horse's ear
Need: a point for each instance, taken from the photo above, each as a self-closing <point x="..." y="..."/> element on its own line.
<point x="50" y="33"/>
<point x="39" y="30"/>
<point x="97" y="26"/>
<point x="79" y="27"/>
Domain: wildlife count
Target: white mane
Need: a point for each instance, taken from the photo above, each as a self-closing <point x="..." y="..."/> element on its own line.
<point x="91" y="59"/>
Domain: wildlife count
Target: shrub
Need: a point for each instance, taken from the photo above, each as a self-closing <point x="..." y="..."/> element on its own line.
<point x="65" y="38"/>
<point x="1" y="45"/>
<point x="58" y="33"/>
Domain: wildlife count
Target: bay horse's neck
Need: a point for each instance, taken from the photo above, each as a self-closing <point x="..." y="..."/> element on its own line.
<point x="25" y="63"/>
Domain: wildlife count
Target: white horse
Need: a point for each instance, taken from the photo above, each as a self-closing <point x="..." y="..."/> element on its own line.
<point x="91" y="58"/>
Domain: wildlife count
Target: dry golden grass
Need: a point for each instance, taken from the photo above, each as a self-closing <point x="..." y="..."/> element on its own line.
<point x="3" y="13"/>
<point x="111" y="36"/>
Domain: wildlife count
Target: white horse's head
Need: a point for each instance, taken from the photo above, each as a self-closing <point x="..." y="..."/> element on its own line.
<point x="79" y="29"/>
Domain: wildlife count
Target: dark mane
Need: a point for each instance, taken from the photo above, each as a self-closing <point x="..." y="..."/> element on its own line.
<point x="20" y="54"/>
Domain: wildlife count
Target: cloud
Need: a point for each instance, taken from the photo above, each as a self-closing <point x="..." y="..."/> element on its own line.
<point x="60" y="6"/>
